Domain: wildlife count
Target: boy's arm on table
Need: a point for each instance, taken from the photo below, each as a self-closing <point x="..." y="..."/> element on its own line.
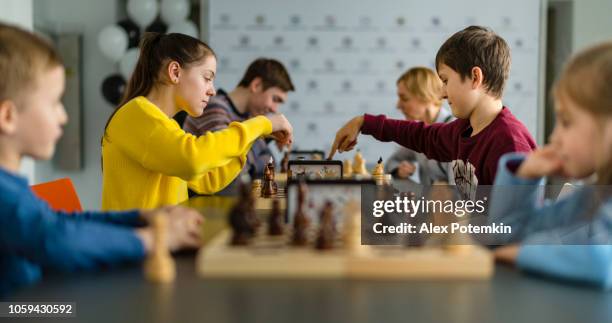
<point x="60" y="242"/>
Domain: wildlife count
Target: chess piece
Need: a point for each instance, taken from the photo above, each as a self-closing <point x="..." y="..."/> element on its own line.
<point x="352" y="226"/>
<point x="347" y="169"/>
<point x="270" y="188"/>
<point x="159" y="266"/>
<point x="256" y="188"/>
<point x="300" y="219"/>
<point x="285" y="163"/>
<point x="379" y="169"/>
<point x="327" y="230"/>
<point x="379" y="173"/>
<point x="242" y="218"/>
<point x="359" y="167"/>
<point x="275" y="221"/>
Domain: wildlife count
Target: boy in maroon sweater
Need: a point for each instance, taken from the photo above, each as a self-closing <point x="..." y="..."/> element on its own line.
<point x="473" y="65"/>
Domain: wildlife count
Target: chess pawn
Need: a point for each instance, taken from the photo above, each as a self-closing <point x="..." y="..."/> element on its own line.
<point x="159" y="266"/>
<point x="285" y="163"/>
<point x="275" y="221"/>
<point x="300" y="220"/>
<point x="347" y="168"/>
<point x="379" y="172"/>
<point x="256" y="188"/>
<point x="242" y="218"/>
<point x="359" y="164"/>
<point x="325" y="238"/>
<point x="352" y="226"/>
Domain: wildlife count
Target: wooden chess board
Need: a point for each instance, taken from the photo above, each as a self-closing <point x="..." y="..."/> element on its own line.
<point x="274" y="257"/>
<point x="265" y="203"/>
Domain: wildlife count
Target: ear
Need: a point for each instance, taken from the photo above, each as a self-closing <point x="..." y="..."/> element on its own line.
<point x="256" y="85"/>
<point x="477" y="77"/>
<point x="8" y="117"/>
<point x="174" y="72"/>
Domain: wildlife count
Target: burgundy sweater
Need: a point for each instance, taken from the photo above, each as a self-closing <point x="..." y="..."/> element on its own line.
<point x="473" y="159"/>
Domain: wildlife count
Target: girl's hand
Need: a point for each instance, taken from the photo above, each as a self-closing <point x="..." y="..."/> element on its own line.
<point x="405" y="169"/>
<point x="541" y="162"/>
<point x="346" y="137"/>
<point x="507" y="254"/>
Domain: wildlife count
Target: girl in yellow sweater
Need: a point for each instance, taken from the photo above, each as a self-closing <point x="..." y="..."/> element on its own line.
<point x="148" y="160"/>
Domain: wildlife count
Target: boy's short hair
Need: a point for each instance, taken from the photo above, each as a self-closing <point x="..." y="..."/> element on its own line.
<point x="424" y="84"/>
<point x="23" y="55"/>
<point x="477" y="46"/>
<point x="271" y="72"/>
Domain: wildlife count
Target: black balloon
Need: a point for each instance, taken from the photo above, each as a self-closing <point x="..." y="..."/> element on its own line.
<point x="157" y="26"/>
<point x="132" y="30"/>
<point x="113" y="88"/>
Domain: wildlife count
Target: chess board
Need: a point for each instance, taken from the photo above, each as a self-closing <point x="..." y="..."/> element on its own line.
<point x="273" y="257"/>
<point x="265" y="203"/>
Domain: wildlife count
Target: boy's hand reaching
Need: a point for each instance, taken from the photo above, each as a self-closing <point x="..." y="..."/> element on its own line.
<point x="540" y="163"/>
<point x="184" y="228"/>
<point x="346" y="137"/>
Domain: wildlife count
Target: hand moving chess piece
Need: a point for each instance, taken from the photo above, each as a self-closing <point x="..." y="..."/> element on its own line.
<point x="285" y="163"/>
<point x="242" y="218"/>
<point x="300" y="219"/>
<point x="159" y="266"/>
<point x="327" y="230"/>
<point x="276" y="220"/>
<point x="269" y="188"/>
<point x="359" y="167"/>
<point x="347" y="169"/>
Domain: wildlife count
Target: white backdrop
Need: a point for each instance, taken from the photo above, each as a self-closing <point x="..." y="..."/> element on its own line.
<point x="344" y="56"/>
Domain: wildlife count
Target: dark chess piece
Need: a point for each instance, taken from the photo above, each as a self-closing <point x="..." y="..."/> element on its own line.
<point x="276" y="220"/>
<point x="242" y="218"/>
<point x="325" y="239"/>
<point x="270" y="188"/>
<point x="300" y="220"/>
<point x="285" y="163"/>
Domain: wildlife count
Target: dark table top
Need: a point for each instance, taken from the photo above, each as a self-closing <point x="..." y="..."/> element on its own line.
<point x="123" y="295"/>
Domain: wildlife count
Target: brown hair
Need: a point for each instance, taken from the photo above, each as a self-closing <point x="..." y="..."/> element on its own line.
<point x="271" y="72"/>
<point x="586" y="81"/>
<point x="423" y="83"/>
<point x="23" y="55"/>
<point x="477" y="46"/>
<point x="155" y="51"/>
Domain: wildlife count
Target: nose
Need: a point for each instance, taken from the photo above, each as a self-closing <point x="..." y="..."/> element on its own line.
<point x="554" y="138"/>
<point x="63" y="116"/>
<point x="273" y="108"/>
<point x="444" y="94"/>
<point x="212" y="91"/>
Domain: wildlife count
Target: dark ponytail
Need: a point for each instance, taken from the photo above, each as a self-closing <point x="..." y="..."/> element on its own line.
<point x="156" y="50"/>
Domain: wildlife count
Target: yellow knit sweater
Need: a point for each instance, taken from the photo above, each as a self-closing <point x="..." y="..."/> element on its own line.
<point x="149" y="161"/>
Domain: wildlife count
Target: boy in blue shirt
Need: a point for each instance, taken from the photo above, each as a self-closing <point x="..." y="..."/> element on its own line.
<point x="34" y="238"/>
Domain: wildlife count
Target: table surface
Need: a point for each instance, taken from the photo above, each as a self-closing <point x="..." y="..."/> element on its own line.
<point x="123" y="295"/>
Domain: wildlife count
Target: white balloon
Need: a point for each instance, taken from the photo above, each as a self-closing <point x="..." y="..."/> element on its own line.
<point x="128" y="62"/>
<point x="113" y="42"/>
<point x="173" y="11"/>
<point x="143" y="12"/>
<point x="184" y="27"/>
